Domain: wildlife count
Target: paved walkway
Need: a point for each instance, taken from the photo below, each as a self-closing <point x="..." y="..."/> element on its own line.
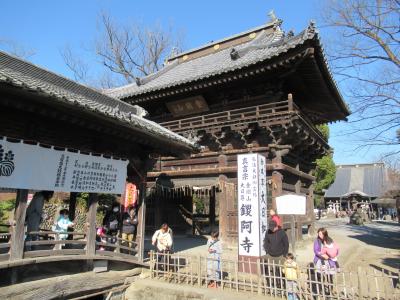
<point x="375" y="245"/>
<point x="156" y="289"/>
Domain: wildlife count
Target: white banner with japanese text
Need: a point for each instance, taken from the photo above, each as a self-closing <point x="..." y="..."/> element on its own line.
<point x="252" y="204"/>
<point x="25" y="166"/>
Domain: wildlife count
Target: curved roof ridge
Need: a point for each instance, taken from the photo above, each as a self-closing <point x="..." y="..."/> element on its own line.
<point x="258" y="43"/>
<point x="24" y="67"/>
<point x="20" y="73"/>
<point x="258" y="28"/>
<point x="148" y="78"/>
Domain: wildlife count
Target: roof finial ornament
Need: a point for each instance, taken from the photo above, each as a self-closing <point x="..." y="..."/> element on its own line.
<point x="290" y="34"/>
<point x="174" y="52"/>
<point x="272" y="16"/>
<point x="311" y="27"/>
<point x="234" y="54"/>
<point x="274" y="20"/>
<point x="138" y="82"/>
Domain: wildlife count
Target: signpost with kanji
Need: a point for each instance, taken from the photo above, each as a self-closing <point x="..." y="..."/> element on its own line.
<point x="252" y="206"/>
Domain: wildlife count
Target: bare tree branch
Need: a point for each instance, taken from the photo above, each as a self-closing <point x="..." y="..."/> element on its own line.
<point x="16" y="49"/>
<point x="78" y="67"/>
<point x="133" y="51"/>
<point x="125" y="52"/>
<point x="365" y="57"/>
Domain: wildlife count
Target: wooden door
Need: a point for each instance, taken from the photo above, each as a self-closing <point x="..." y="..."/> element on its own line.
<point x="228" y="215"/>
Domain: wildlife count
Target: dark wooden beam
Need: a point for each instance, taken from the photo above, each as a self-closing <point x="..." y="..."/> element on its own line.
<point x="212" y="207"/>
<point x="227" y="170"/>
<point x="141" y="221"/>
<point x="72" y="205"/>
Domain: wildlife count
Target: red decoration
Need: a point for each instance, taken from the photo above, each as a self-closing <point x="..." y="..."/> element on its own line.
<point x="130" y="196"/>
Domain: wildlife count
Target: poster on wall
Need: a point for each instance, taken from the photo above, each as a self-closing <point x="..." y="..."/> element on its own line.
<point x="252" y="204"/>
<point x="291" y="204"/>
<point x="25" y="166"/>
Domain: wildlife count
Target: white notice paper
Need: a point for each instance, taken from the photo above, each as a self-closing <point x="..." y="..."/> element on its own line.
<point x="24" y="166"/>
<point x="291" y="205"/>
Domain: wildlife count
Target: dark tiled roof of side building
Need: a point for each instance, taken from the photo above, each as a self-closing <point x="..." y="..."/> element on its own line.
<point x="269" y="41"/>
<point x="20" y="73"/>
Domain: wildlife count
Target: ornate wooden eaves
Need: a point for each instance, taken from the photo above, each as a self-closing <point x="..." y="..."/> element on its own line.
<point x="279" y="124"/>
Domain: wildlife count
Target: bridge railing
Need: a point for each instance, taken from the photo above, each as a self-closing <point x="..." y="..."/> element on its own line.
<point x="48" y="243"/>
<point x="265" y="277"/>
<point x="5" y="246"/>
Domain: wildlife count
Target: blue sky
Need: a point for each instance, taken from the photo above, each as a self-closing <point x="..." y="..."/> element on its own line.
<point x="48" y="26"/>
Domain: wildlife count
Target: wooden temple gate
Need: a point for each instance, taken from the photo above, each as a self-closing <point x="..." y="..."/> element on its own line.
<point x="260" y="91"/>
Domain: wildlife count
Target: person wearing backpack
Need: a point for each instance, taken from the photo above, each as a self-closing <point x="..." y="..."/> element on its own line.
<point x="111" y="220"/>
<point x="112" y="224"/>
<point x="129" y="223"/>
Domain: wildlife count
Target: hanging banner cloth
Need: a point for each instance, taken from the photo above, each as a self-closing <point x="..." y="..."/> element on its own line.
<point x="130" y="196"/>
<point x="24" y="166"/>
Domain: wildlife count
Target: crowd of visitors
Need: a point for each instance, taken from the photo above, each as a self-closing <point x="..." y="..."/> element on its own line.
<point x="278" y="262"/>
<point x="116" y="225"/>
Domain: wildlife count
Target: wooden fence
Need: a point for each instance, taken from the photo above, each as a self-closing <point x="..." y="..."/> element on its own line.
<point x="267" y="278"/>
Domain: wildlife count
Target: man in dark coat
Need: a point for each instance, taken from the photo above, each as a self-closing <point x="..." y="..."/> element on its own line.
<point x="276" y="243"/>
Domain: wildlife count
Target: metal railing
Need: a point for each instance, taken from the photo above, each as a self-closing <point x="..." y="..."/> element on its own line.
<point x="265" y="277"/>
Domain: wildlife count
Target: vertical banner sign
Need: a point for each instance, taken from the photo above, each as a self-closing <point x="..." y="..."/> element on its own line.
<point x="262" y="180"/>
<point x="252" y="208"/>
<point x="130" y="195"/>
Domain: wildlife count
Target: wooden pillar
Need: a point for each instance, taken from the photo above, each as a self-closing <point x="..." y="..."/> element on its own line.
<point x="91" y="229"/>
<point x="141" y="230"/>
<point x="212" y="208"/>
<point x="72" y="205"/>
<point x="223" y="209"/>
<point x="157" y="208"/>
<point x="298" y="227"/>
<point x="18" y="228"/>
<point x="290" y="102"/>
<point x="277" y="179"/>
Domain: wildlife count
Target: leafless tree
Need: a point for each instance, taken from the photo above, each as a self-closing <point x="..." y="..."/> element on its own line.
<point x="16" y="49"/>
<point x="125" y="51"/>
<point x="79" y="68"/>
<point x="365" y="58"/>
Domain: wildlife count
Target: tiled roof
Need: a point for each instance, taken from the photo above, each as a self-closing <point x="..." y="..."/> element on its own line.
<point x="268" y="44"/>
<point x="23" y="74"/>
<point x="370" y="179"/>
